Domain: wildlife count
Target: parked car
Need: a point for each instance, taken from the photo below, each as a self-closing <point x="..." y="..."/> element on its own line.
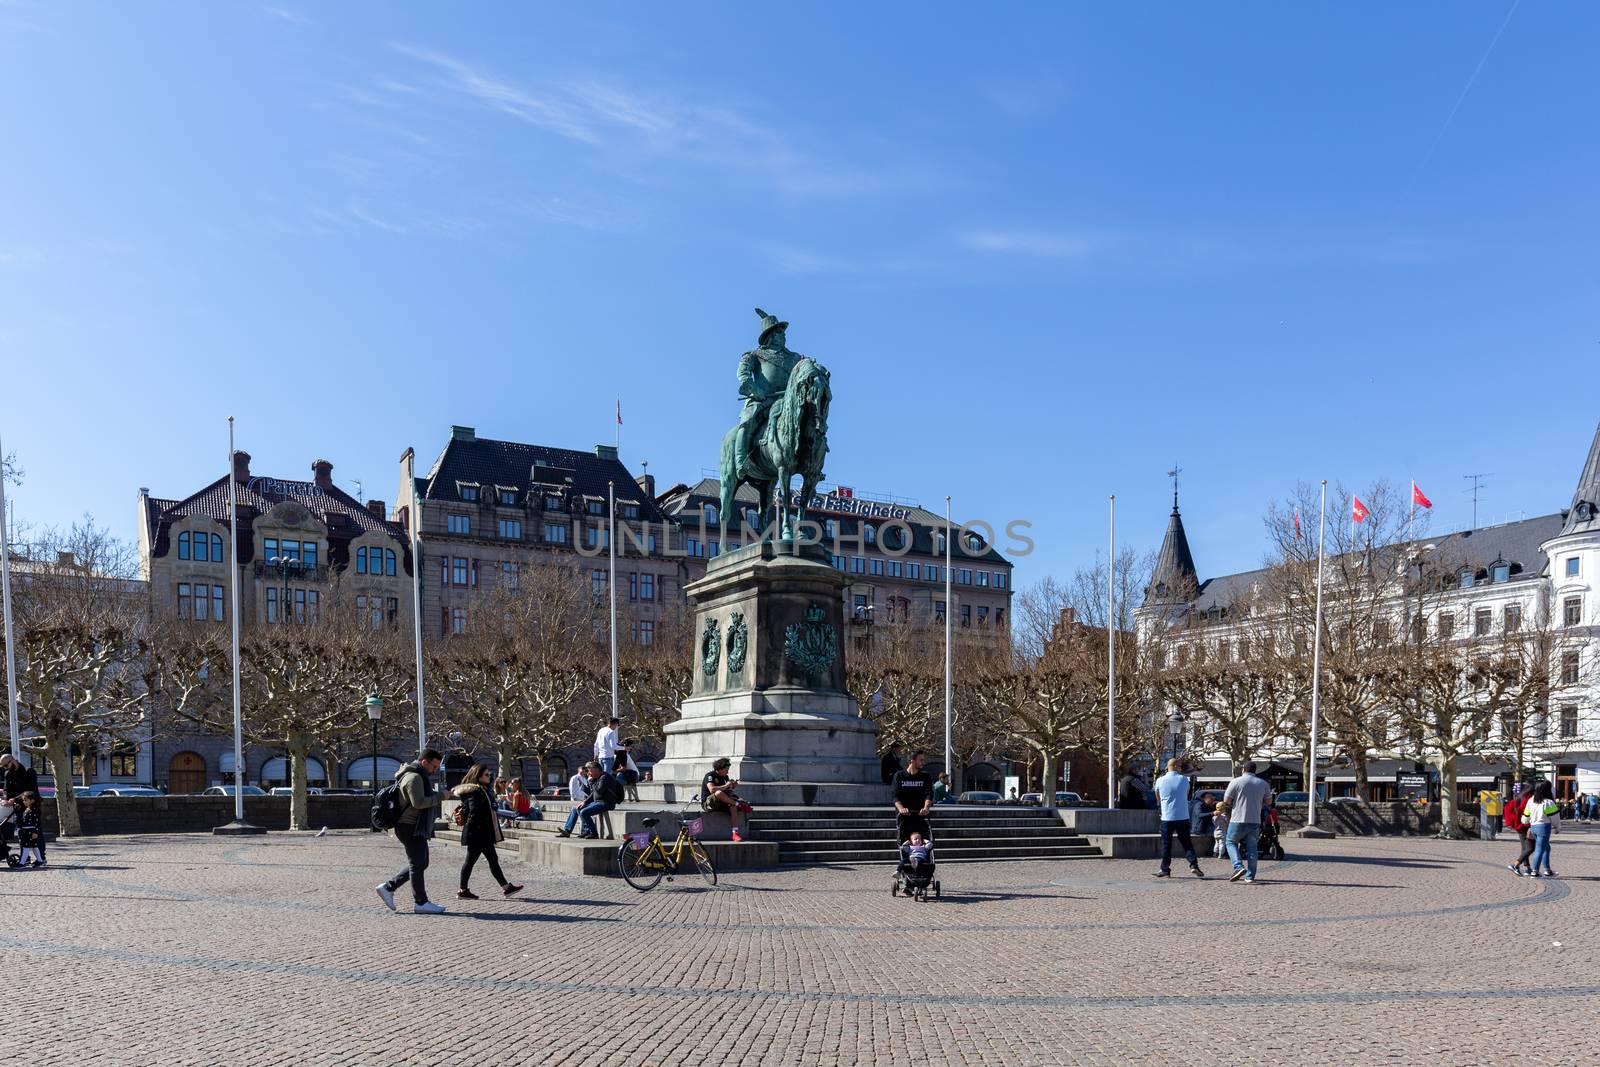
<point x="979" y="796"/>
<point x="110" y="790"/>
<point x="343" y="792"/>
<point x="1033" y="798"/>
<point x="1294" y="798"/>
<point x="228" y="791"/>
<point x="554" y="792"/>
<point x="1344" y="800"/>
<point x="1065" y="798"/>
<point x="288" y="791"/>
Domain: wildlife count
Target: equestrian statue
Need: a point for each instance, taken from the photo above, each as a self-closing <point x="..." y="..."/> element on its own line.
<point x="782" y="431"/>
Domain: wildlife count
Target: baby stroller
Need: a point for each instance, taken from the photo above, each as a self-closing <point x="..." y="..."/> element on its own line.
<point x="7" y="828"/>
<point x="914" y="878"/>
<point x="1270" y="845"/>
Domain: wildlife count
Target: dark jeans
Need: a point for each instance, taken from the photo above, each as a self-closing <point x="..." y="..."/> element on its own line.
<point x="489" y="854"/>
<point x="416" y="863"/>
<point x="587" y="814"/>
<point x="1527" y="847"/>
<point x="1181" y="828"/>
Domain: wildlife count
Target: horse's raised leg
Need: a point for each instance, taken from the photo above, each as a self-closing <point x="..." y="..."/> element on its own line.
<point x="785" y="529"/>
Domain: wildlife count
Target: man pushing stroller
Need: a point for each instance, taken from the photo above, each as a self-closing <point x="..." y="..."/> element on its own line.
<point x="912" y="789"/>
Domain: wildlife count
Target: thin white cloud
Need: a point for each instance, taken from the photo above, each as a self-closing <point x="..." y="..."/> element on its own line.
<point x="1040" y="243"/>
<point x="292" y="17"/>
<point x="456" y="226"/>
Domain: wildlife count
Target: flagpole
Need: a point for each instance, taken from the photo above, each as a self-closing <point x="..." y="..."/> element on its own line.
<point x="949" y="682"/>
<point x="14" y="717"/>
<point x="238" y="826"/>
<point x="1111" y="660"/>
<point x="414" y="520"/>
<point x="611" y="538"/>
<point x="1316" y="663"/>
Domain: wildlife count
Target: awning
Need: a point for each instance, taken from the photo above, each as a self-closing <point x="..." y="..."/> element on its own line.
<point x="277" y="769"/>
<point x="361" y="769"/>
<point x="1378" y="770"/>
<point x="1215" y="770"/>
<point x="226" y="763"/>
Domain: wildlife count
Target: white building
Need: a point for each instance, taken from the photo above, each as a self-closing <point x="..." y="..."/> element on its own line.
<point x="1509" y="575"/>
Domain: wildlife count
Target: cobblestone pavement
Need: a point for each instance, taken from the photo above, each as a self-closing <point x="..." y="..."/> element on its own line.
<point x="200" y="950"/>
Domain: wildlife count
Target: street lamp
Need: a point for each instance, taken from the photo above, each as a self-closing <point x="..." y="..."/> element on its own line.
<point x="283" y="565"/>
<point x="375" y="713"/>
<point x="1175" y="723"/>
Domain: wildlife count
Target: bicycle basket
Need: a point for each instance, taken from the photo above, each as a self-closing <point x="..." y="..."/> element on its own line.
<point x="696" y="827"/>
<point x="640" y="840"/>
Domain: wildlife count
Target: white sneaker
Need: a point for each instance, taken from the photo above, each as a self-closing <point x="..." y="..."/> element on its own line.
<point x="386" y="895"/>
<point x="430" y="908"/>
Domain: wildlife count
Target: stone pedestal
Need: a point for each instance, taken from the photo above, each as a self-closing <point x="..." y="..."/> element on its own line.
<point x="769" y="690"/>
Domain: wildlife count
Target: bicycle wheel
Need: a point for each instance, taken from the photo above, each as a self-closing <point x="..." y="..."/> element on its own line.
<point x="702" y="860"/>
<point x="630" y="864"/>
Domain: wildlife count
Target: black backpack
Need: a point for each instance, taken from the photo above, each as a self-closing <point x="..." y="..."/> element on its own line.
<point x="608" y="790"/>
<point x="388" y="806"/>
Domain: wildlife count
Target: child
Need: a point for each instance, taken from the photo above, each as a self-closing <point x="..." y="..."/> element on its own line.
<point x="1220" y="822"/>
<point x="916" y="851"/>
<point x="30" y="833"/>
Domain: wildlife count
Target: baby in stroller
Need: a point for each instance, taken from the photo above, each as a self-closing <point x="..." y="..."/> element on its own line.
<point x="914" y="877"/>
<point x="7" y="826"/>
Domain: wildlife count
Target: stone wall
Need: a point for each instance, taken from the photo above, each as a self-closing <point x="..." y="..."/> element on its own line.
<point x="180" y="815"/>
<point x="1367" y="820"/>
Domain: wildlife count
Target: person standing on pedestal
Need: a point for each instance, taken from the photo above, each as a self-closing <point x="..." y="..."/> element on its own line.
<point x="605" y="745"/>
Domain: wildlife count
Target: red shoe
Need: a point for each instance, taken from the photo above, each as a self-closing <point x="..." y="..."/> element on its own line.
<point x="736" y="836"/>
<point x="466" y="894"/>
<point x="509" y="889"/>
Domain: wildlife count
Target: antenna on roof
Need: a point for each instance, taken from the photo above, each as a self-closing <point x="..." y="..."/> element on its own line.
<point x="358" y="489"/>
<point x="1477" y="484"/>
<point x="1173" y="474"/>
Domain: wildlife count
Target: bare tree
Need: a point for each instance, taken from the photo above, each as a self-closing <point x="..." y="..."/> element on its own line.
<point x="79" y="622"/>
<point x="654" y="679"/>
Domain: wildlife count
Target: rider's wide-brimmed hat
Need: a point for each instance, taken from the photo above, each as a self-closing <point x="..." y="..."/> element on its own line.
<point x="768" y="324"/>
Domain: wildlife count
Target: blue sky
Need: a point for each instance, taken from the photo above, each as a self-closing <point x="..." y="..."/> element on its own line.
<point x="1046" y="251"/>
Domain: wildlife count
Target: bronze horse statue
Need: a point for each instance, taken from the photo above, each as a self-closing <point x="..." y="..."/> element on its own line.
<point x="792" y="441"/>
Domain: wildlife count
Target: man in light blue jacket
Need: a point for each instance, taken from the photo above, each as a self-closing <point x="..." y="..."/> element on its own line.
<point x="1172" y="789"/>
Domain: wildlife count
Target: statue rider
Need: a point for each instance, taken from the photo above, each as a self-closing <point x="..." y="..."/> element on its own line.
<point x="763" y="376"/>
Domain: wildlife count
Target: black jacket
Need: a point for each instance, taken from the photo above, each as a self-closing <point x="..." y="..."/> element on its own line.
<point x="482" y="828"/>
<point x="20" y="780"/>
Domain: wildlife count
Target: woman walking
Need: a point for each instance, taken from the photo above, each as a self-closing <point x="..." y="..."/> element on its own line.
<point x="480" y="831"/>
<point x="1542" y="817"/>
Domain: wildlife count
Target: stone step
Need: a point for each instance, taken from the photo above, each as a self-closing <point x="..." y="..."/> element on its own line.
<point x="942" y="844"/>
<point x="888" y="856"/>
<point x="940" y="833"/>
<point x="888" y="825"/>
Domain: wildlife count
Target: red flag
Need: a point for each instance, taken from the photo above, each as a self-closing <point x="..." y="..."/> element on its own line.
<point x="1358" y="510"/>
<point x="619" y="411"/>
<point x="1297" y="524"/>
<point x="1418" y="499"/>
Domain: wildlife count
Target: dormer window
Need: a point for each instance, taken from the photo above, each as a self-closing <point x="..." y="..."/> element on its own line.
<point x="468" y="490"/>
<point x="1585" y="511"/>
<point x="711" y="513"/>
<point x="552" y="502"/>
<point x="507" y="495"/>
<point x="974" y="543"/>
<point x="1500" y="572"/>
<point x="1466" y="579"/>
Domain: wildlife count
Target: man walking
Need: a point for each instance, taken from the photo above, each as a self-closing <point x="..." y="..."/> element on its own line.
<point x="913" y="795"/>
<point x="1244" y="798"/>
<point x="415" y="829"/>
<point x="1173" y="790"/>
<point x="605" y="745"/>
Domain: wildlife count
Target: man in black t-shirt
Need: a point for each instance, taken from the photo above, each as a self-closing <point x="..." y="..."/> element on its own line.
<point x="913" y="796"/>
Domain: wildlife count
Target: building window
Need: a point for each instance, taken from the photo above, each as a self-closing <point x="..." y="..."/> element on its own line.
<point x="391" y="610"/>
<point x="913" y="570"/>
<point x="458" y="524"/>
<point x="983" y="616"/>
<point x="693" y="547"/>
<point x="370" y="609"/>
<point x="840" y="563"/>
<point x="966" y="615"/>
<point x="511" y="575"/>
<point x="1513" y="618"/>
<point x="894" y="568"/>
<point x="201" y="600"/>
<point x="202" y="548"/>
<point x="712" y="548"/>
<point x="185" y="601"/>
<point x="216" y="602"/>
<point x="1381" y="632"/>
<point x="933" y="572"/>
<point x="597" y="583"/>
<point x="999" y="616"/>
<point x="269" y="548"/>
<point x="1500" y="572"/>
<point x="1466" y="579"/>
<point x="1569" y="668"/>
<point x="552" y="503"/>
<point x="555" y="533"/>
<point x="630" y="511"/>
<point x="711" y="514"/>
<point x="1481" y="621"/>
<point x="974" y="543"/>
<point x="308" y="553"/>
<point x="183" y="545"/>
<point x="983" y="579"/>
<point x="1569" y="721"/>
<point x="272" y="603"/>
<point x="508" y="498"/>
<point x="1572" y="611"/>
<point x="361" y="561"/>
<point x="1572" y="567"/>
<point x="595" y="507"/>
<point x="458" y="620"/>
<point x="647" y="587"/>
<point x="444" y="570"/>
<point x="633" y="586"/>
<point x="458" y="570"/>
<point x="469" y="492"/>
<point x="830" y="529"/>
<point x="964" y="575"/>
<point x="510" y="529"/>
<point x="124" y="760"/>
<point x="999" y="579"/>
<point x="858" y="565"/>
<point x="1539" y="727"/>
<point x="751" y="519"/>
<point x="869" y="533"/>
<point x="875" y="567"/>
<point x="596" y="536"/>
<point x="645" y="632"/>
<point x="1447" y="626"/>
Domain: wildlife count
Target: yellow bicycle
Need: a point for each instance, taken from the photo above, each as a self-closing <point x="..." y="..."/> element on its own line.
<point x="643" y="858"/>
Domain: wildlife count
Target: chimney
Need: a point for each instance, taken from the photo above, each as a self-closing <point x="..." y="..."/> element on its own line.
<point x="241" y="466"/>
<point x="66" y="560"/>
<point x="378" y="508"/>
<point x="322" y="473"/>
<point x="463" y="433"/>
<point x="606" y="452"/>
<point x="647" y="482"/>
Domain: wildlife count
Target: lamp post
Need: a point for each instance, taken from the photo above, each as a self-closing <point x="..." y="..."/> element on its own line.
<point x="375" y="714"/>
<point x="284" y="565"/>
<point x="1175" y="723"/>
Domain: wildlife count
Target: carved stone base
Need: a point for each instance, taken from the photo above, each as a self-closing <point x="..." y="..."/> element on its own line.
<point x="769" y="686"/>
